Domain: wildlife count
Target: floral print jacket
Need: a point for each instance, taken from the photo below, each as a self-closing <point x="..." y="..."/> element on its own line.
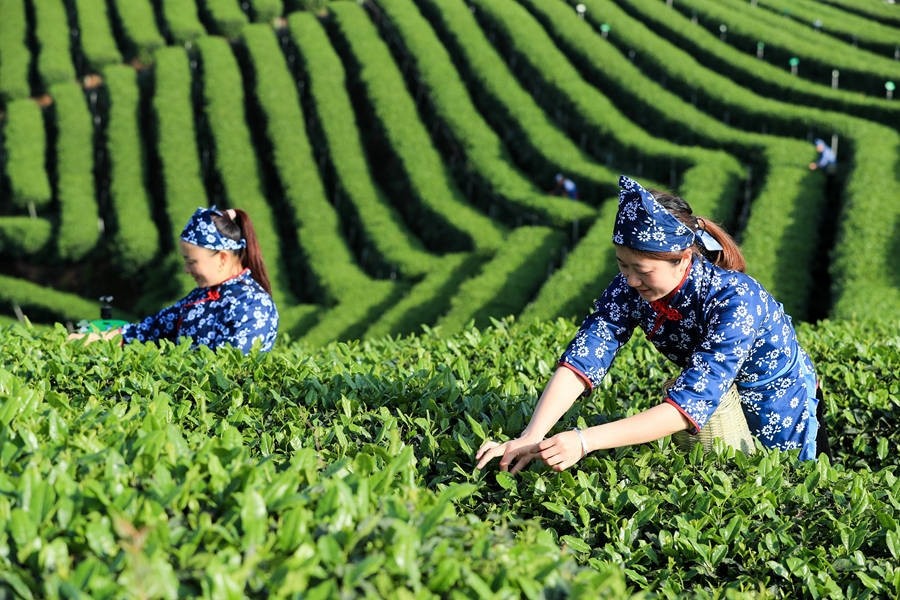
<point x="237" y="312"/>
<point x="720" y="327"/>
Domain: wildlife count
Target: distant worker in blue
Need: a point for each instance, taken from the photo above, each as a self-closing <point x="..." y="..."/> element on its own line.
<point x="565" y="186"/>
<point x="827" y="158"/>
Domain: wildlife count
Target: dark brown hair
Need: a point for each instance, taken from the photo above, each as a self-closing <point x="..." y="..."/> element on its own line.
<point x="729" y="257"/>
<point x="251" y="256"/>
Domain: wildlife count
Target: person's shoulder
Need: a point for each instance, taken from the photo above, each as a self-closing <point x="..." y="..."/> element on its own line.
<point x="723" y="285"/>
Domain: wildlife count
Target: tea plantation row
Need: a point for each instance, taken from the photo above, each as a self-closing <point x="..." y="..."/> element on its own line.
<point x="396" y="156"/>
<point x="346" y="470"/>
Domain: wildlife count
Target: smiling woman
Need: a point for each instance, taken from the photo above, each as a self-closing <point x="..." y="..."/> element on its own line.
<point x="232" y="303"/>
<point x="682" y="282"/>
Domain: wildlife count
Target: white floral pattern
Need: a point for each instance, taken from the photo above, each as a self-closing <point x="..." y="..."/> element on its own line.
<point x="730" y="331"/>
<point x="237" y="312"/>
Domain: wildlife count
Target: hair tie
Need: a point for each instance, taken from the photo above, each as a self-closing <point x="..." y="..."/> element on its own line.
<point x="232" y="214"/>
<point x="706" y="239"/>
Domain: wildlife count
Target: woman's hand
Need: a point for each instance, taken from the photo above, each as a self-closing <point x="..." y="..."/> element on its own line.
<point x="519" y="452"/>
<point x="561" y="451"/>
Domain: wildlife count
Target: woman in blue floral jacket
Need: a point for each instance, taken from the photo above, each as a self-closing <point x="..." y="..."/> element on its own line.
<point x="681" y="281"/>
<point x="232" y="303"/>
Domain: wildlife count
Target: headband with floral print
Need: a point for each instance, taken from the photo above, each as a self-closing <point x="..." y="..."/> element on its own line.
<point x="201" y="231"/>
<point x="644" y="224"/>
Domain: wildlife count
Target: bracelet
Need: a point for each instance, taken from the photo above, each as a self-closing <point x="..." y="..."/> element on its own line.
<point x="584" y="449"/>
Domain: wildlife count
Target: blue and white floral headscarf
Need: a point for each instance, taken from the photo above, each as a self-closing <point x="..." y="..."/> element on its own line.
<point x="644" y="224"/>
<point x="201" y="231"/>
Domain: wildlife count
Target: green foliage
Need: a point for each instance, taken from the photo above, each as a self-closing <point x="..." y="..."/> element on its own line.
<point x="860" y="70"/>
<point x="477" y="152"/>
<point x="182" y="21"/>
<point x="507" y="281"/>
<point x="37" y="301"/>
<point x="227" y="17"/>
<point x="863" y="31"/>
<point x="531" y="135"/>
<point x="78" y="216"/>
<point x="264" y="11"/>
<point x="690" y="39"/>
<point x="453" y="224"/>
<point x="25" y="146"/>
<point x="54" y="63"/>
<point x="387" y="150"/>
<point x="14" y="54"/>
<point x="135" y="241"/>
<point x="95" y="34"/>
<point x="138" y="24"/>
<point x="350" y="472"/>
<point x="387" y="244"/>
<point x="22" y="236"/>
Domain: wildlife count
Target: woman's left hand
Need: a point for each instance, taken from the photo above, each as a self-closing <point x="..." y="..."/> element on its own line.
<point x="561" y="451"/>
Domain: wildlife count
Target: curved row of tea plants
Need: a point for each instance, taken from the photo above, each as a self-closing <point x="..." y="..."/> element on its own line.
<point x="389" y="193"/>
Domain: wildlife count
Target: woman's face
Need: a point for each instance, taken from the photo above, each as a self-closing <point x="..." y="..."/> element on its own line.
<point x="206" y="266"/>
<point x="652" y="278"/>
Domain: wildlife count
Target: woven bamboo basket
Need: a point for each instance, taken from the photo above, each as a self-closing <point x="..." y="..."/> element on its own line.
<point x="727" y="423"/>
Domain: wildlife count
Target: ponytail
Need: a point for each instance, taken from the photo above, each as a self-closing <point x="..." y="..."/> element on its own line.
<point x="729" y="257"/>
<point x="235" y="224"/>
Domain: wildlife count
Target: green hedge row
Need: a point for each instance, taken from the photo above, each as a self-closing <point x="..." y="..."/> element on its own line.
<point x="866" y="32"/>
<point x="135" y="238"/>
<point x="78" y="231"/>
<point x="877" y="11"/>
<point x="788" y="208"/>
<point x="225" y="16"/>
<point x="25" y="148"/>
<point x="54" y="60"/>
<point x="234" y="156"/>
<point x="586" y="270"/>
<point x="508" y="281"/>
<point x="95" y="34"/>
<point x="15" y="58"/>
<point x="40" y="302"/>
<point x="529" y="135"/>
<point x="180" y="173"/>
<point x="420" y="182"/>
<point x="478" y="154"/>
<point x="265" y="11"/>
<point x="182" y="23"/>
<point x="137" y="22"/>
<point x="581" y="106"/>
<point x="325" y="253"/>
<point x="24" y="237"/>
<point x="427" y="299"/>
<point x="864" y="147"/>
<point x="782" y="240"/>
<point x="863" y="267"/>
<point x="742" y="68"/>
<point x="387" y="245"/>
<point x="349" y="320"/>
<point x="785" y="39"/>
